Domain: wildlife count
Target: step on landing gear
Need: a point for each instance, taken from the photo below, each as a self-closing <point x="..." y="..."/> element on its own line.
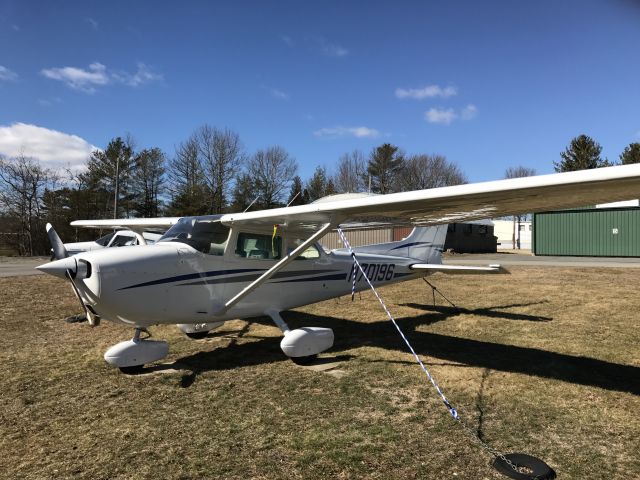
<point x="130" y="356"/>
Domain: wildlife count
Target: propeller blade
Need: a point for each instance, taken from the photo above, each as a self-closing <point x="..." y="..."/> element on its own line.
<point x="59" y="250"/>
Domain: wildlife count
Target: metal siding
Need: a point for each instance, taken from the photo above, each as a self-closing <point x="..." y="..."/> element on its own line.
<point x="357" y="238"/>
<point x="588" y="233"/>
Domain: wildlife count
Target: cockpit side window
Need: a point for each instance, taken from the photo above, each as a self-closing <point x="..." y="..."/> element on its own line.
<point x="205" y="235"/>
<point x="257" y="246"/>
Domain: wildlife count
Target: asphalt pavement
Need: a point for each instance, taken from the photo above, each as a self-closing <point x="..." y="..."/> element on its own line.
<point x="19" y="266"/>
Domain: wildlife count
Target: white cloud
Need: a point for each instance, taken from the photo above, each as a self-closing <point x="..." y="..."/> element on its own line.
<point x="288" y="41"/>
<point x="49" y="102"/>
<point x="430" y="91"/>
<point x="469" y="112"/>
<point x="340" y="131"/>
<point x="143" y="75"/>
<point x="435" y="115"/>
<point x="279" y="94"/>
<point x="6" y="74"/>
<point x="93" y="22"/>
<point x="85" y="80"/>
<point x="98" y="75"/>
<point x="449" y="115"/>
<point x="331" y="49"/>
<point x="51" y="147"/>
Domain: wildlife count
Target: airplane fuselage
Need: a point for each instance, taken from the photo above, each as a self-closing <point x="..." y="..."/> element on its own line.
<point x="172" y="282"/>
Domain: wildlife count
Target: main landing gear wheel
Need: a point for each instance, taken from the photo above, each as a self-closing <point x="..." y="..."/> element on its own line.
<point x="131" y="356"/>
<point x="133" y="370"/>
<point x="528" y="467"/>
<point x="304" y="361"/>
<point x="197" y="335"/>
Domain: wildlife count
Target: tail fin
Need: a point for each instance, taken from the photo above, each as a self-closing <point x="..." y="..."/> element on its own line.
<point x="424" y="244"/>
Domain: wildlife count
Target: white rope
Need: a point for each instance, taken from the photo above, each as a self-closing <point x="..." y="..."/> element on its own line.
<point x="452" y="410"/>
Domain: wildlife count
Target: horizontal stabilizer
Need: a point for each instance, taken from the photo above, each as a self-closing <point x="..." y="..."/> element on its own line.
<point x="458" y="269"/>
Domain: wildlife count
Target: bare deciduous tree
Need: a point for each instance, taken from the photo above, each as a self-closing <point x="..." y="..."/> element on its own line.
<point x="186" y="181"/>
<point x="147" y="181"/>
<point x="429" y="171"/>
<point x="272" y="171"/>
<point x="518" y="172"/>
<point x="350" y="173"/>
<point x="221" y="156"/>
<point x="22" y="185"/>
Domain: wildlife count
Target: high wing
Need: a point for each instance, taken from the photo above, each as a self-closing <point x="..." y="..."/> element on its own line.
<point x="458" y="203"/>
<point x="135" y="224"/>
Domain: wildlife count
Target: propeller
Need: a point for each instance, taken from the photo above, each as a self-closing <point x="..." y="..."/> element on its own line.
<point x="67" y="267"/>
<point x="58" y="248"/>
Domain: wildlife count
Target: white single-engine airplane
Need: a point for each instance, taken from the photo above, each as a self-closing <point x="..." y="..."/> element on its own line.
<point x="208" y="269"/>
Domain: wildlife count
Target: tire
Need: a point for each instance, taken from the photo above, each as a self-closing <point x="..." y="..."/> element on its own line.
<point x="197" y="335"/>
<point x="133" y="370"/>
<point x="304" y="361"/>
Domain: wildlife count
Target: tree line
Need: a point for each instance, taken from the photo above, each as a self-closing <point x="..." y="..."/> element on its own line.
<point x="212" y="172"/>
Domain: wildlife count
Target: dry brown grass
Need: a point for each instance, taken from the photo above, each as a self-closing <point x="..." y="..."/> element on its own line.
<point x="543" y="361"/>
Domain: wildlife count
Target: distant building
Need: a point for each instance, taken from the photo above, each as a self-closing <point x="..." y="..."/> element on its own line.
<point x="471" y="237"/>
<point x="509" y="233"/>
<point x="608" y="230"/>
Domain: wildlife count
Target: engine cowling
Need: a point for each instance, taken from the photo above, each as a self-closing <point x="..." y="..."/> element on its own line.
<point x="306" y="341"/>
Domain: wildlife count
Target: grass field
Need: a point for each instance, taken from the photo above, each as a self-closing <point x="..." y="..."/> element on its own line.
<point x="544" y="361"/>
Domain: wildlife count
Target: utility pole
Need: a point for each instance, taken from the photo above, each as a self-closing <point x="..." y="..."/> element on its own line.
<point x="115" y="199"/>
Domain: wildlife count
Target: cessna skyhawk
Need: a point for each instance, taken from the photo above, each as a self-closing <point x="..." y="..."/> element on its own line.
<point x="208" y="269"/>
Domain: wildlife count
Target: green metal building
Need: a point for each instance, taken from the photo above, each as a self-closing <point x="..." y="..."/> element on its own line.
<point x="593" y="232"/>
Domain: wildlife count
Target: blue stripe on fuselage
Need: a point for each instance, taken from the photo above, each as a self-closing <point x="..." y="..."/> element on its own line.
<point x="192" y="276"/>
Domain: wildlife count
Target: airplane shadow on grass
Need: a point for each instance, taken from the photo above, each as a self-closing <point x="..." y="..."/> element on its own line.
<point x="495" y="356"/>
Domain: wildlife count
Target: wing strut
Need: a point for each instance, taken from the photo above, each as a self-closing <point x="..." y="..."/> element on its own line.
<point x="276" y="268"/>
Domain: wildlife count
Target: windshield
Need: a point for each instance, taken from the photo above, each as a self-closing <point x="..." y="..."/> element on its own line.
<point x="205" y="234"/>
<point x="105" y="240"/>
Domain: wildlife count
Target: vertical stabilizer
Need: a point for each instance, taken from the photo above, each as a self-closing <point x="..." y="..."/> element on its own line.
<point x="424" y="243"/>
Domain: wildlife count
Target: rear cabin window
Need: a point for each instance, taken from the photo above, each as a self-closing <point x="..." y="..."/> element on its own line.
<point x="259" y="247"/>
<point x="311" y="252"/>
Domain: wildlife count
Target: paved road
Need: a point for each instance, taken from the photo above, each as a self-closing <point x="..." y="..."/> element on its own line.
<point x="17" y="266"/>
<point x="549" y="261"/>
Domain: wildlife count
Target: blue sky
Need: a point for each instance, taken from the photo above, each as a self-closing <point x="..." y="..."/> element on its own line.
<point x="488" y="84"/>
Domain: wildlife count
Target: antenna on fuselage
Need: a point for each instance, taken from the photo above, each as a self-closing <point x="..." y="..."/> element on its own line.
<point x="291" y="201"/>
<point x="251" y="204"/>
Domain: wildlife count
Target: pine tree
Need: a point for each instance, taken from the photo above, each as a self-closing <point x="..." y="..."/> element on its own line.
<point x="296" y="197"/>
<point x="317" y="184"/>
<point x="583" y="153"/>
<point x="631" y="154"/>
<point x="385" y="162"/>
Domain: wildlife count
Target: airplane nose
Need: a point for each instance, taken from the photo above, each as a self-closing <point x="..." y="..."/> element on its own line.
<point x="58" y="268"/>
